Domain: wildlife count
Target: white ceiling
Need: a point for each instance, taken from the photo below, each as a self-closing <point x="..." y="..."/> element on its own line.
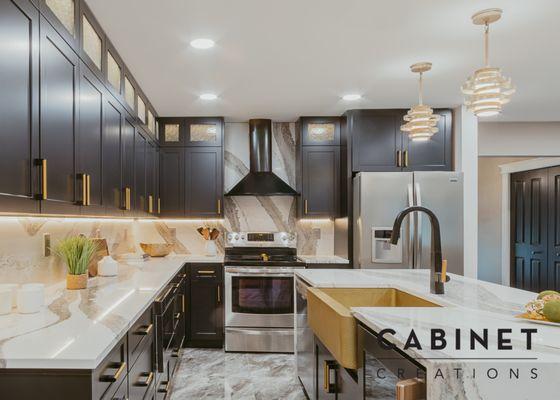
<point x="283" y="59"/>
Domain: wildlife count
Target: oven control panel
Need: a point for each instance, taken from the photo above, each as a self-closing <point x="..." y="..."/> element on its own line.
<point x="261" y="239"/>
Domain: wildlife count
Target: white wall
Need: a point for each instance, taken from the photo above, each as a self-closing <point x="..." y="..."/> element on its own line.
<point x="511" y="139"/>
<point x="466" y="160"/>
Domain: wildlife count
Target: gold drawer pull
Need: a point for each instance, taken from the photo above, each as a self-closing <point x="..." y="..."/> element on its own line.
<point x="149" y="379"/>
<point x="165" y="389"/>
<point x="206" y="272"/>
<point x="145" y="330"/>
<point x="328" y="366"/>
<point x="176" y="353"/>
<point x="115" y="377"/>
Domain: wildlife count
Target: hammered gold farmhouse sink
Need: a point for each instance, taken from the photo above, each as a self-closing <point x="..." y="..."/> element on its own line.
<point x="332" y="322"/>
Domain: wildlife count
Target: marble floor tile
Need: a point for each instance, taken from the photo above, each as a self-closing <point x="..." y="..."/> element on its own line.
<point x="214" y="374"/>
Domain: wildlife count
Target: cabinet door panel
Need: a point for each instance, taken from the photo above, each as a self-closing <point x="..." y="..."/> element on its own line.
<point x="320" y="165"/>
<point x="112" y="158"/>
<point x="203" y="181"/>
<point x="434" y="154"/>
<point x="88" y="154"/>
<point x="59" y="76"/>
<point x="554" y="228"/>
<point x="140" y="202"/>
<point x="127" y="157"/>
<point x="171" y="182"/>
<point x="376" y="139"/>
<point x="150" y="177"/>
<point x="206" y="312"/>
<point x="19" y="106"/>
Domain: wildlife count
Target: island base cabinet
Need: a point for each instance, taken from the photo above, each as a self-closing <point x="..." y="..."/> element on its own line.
<point x="332" y="380"/>
<point x="388" y="373"/>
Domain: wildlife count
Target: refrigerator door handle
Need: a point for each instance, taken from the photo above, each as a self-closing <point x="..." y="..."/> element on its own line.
<point x="418" y="232"/>
<point x="410" y="226"/>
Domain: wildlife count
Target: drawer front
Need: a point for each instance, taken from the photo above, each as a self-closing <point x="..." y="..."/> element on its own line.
<point x="111" y="372"/>
<point x="140" y="333"/>
<point x="121" y="393"/>
<point x="141" y="377"/>
<point x="206" y="271"/>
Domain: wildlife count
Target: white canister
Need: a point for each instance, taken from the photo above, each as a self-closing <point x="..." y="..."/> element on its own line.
<point x="210" y="248"/>
<point x="107" y="266"/>
<point x="31" y="298"/>
<point x="5" y="300"/>
<point x="14" y="288"/>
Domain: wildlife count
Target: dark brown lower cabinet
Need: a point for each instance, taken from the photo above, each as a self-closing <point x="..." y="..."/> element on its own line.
<point x="205" y="306"/>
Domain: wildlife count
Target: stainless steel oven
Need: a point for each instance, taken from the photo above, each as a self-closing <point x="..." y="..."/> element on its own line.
<point x="259" y="309"/>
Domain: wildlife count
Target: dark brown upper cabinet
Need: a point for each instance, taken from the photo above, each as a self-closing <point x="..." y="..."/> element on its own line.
<point x="191" y="131"/>
<point x="59" y="80"/>
<point x="151" y="190"/>
<point x="378" y="144"/>
<point x="127" y="166"/>
<point x="434" y="154"/>
<point x="376" y="139"/>
<point x="112" y="188"/>
<point x="19" y="105"/>
<point x="172" y="182"/>
<point x="320" y="170"/>
<point x="92" y="42"/>
<point x="89" y="144"/>
<point x="204" y="182"/>
<point x="320" y="131"/>
<point x="140" y="197"/>
<point x="64" y="16"/>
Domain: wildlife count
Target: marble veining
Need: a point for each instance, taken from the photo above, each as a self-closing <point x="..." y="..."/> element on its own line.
<point x="214" y="374"/>
<point x="467" y="304"/>
<point x="78" y="328"/>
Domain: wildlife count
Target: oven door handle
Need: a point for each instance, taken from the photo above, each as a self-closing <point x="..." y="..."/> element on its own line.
<point x="265" y="274"/>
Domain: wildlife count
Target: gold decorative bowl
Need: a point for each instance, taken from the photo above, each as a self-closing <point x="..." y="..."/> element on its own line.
<point x="156" y="249"/>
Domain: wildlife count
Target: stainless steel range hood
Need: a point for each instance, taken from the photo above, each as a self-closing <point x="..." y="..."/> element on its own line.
<point x="261" y="181"/>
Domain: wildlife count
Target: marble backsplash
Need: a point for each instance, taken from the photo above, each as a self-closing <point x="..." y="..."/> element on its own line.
<point x="21" y="239"/>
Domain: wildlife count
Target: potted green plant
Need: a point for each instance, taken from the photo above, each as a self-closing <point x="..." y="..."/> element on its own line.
<point x="76" y="252"/>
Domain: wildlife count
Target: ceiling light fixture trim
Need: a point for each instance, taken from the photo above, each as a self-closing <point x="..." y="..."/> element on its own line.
<point x="202" y="43"/>
<point x="351" y="97"/>
<point x="208" y="96"/>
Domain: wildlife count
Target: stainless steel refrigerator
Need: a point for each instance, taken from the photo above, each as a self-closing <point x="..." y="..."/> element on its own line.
<point x="380" y="196"/>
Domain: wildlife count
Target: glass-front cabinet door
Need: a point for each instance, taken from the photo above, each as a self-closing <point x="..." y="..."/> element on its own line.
<point x="64" y="16"/>
<point x="320" y="131"/>
<point x="203" y="131"/>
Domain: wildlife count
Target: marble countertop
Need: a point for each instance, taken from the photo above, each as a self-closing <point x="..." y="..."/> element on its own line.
<point x="78" y="328"/>
<point x="467" y="304"/>
<point x="323" y="259"/>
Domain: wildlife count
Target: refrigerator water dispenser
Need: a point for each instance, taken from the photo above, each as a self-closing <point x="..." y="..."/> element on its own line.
<point x="382" y="251"/>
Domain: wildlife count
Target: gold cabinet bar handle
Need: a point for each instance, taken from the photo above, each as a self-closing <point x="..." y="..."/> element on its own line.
<point x="147" y="382"/>
<point x="159" y="205"/>
<point x="150" y="204"/>
<point x="406" y="158"/>
<point x="144" y="330"/>
<point x="88" y="177"/>
<point x="219" y="206"/>
<point x="127" y="198"/>
<point x="202" y="271"/>
<point x="399" y="158"/>
<point x="42" y="162"/>
<point x="115" y="376"/>
<point x="219" y="294"/>
<point x="84" y="189"/>
<point x="328" y="365"/>
<point x="305" y="206"/>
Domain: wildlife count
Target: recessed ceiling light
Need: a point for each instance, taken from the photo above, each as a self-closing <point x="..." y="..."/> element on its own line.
<point x="351" y="97"/>
<point x="202" y="43"/>
<point x="208" y="96"/>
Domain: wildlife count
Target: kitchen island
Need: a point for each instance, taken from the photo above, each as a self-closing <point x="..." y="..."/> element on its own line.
<point x="513" y="371"/>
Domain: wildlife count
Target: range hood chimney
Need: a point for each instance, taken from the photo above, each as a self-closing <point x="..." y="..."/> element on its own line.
<point x="261" y="181"/>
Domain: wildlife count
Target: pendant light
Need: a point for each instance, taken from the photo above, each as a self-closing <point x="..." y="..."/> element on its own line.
<point x="420" y="120"/>
<point x="487" y="90"/>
